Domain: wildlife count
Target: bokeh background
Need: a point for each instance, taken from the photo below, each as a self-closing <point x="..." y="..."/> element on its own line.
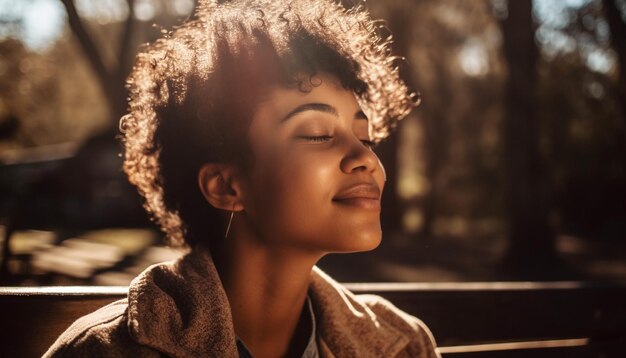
<point x="512" y="168"/>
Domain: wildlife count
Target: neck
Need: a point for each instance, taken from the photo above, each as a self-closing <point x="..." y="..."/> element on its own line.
<point x="266" y="288"/>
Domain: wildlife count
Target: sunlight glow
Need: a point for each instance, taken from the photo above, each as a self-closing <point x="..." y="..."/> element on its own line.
<point x="40" y="27"/>
<point x="413" y="220"/>
<point x="145" y="10"/>
<point x="601" y="61"/>
<point x="103" y="11"/>
<point x="39" y="23"/>
<point x="473" y="58"/>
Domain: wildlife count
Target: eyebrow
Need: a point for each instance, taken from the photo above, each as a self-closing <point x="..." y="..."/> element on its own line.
<point x="320" y="107"/>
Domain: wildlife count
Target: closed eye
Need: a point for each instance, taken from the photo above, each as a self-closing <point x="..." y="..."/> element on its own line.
<point x="317" y="139"/>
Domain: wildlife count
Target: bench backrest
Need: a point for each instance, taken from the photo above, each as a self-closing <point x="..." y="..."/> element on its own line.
<point x="569" y="319"/>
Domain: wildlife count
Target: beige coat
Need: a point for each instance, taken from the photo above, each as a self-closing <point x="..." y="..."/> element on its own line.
<point x="180" y="309"/>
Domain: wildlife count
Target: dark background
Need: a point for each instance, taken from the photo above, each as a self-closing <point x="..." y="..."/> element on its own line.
<point x="512" y="168"/>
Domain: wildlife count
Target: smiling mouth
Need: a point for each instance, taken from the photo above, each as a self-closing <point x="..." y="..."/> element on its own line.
<point x="363" y="196"/>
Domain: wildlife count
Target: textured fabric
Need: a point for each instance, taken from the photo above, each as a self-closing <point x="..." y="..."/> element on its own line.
<point x="180" y="309"/>
<point x="310" y="351"/>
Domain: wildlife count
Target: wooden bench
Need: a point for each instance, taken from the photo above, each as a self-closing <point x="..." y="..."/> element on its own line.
<point x="560" y="319"/>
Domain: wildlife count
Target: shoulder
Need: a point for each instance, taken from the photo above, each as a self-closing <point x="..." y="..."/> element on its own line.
<point x="100" y="333"/>
<point x="367" y="323"/>
<point x="422" y="339"/>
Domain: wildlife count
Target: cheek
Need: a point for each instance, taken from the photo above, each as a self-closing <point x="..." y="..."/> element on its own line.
<point x="300" y="187"/>
<point x="291" y="198"/>
<point x="293" y="205"/>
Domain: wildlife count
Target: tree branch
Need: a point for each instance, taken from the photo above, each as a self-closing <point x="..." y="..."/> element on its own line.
<point x="109" y="80"/>
<point x="124" y="57"/>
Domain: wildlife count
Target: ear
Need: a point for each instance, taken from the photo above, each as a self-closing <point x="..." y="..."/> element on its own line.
<point x="220" y="185"/>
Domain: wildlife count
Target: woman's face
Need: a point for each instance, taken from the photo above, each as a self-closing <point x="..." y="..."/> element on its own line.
<point x="315" y="183"/>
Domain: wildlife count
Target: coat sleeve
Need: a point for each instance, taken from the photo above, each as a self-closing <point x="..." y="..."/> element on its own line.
<point x="422" y="344"/>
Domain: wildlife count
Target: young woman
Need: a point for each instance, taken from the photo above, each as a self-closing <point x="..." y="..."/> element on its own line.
<point x="249" y="134"/>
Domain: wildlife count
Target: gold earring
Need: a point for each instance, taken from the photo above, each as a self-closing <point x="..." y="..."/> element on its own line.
<point x="230" y="221"/>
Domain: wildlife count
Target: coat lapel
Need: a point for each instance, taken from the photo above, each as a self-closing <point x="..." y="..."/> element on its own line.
<point x="181" y="309"/>
<point x="348" y="328"/>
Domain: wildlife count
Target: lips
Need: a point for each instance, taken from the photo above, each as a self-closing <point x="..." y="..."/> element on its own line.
<point x="364" y="196"/>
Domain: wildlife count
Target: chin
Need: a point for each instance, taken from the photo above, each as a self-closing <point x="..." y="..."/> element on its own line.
<point x="366" y="241"/>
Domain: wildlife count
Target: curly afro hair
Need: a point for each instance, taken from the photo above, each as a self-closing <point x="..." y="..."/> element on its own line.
<point x="193" y="91"/>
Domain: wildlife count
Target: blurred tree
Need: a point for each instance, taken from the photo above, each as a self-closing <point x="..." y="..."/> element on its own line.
<point x="554" y="123"/>
<point x="531" y="246"/>
<point x="112" y="77"/>
<point x="88" y="190"/>
<point x="449" y="146"/>
<point x="616" y="18"/>
<point x="11" y="54"/>
<point x="50" y="96"/>
<point x="583" y="126"/>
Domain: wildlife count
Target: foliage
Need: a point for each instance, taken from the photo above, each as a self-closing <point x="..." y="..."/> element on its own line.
<point x="450" y="173"/>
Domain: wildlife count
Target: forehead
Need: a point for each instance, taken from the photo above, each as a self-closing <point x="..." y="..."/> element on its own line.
<point x="319" y="89"/>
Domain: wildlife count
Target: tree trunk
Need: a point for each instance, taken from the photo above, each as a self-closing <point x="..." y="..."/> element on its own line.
<point x="436" y="146"/>
<point x="391" y="217"/>
<point x="531" y="246"/>
<point x="617" y="28"/>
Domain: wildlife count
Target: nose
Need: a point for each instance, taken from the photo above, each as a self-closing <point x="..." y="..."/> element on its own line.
<point x="359" y="157"/>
